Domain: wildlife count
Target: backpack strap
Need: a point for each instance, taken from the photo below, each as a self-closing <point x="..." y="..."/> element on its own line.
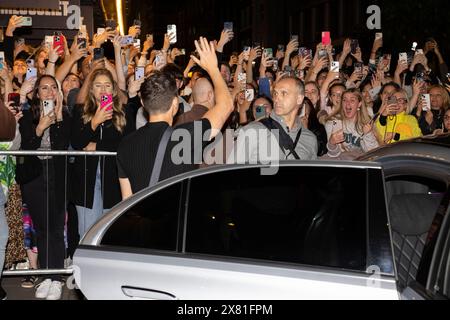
<point x="156" y="171"/>
<point x="285" y="141"/>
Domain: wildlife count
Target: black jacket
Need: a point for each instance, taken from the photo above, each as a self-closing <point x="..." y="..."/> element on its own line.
<point x="107" y="138"/>
<point x="59" y="140"/>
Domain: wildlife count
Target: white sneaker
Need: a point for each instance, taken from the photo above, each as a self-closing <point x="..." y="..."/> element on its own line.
<point x="43" y="288"/>
<point x="55" y="291"/>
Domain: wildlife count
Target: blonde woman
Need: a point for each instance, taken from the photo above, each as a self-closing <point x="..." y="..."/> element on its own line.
<point x="99" y="125"/>
<point x="350" y="129"/>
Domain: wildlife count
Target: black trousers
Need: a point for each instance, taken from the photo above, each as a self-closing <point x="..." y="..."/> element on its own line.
<point x="47" y="209"/>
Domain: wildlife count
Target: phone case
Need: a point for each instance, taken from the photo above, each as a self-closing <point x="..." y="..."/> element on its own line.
<point x="334" y="66"/>
<point x="427" y="99"/>
<point x="106" y="100"/>
<point x="228" y="26"/>
<point x="326" y="40"/>
<point x="48" y="106"/>
<point x="31" y="72"/>
<point x="242" y="77"/>
<point x="249" y="94"/>
<point x="172" y="32"/>
<point x="139" y="73"/>
<point x="15" y="97"/>
<point x="58" y="42"/>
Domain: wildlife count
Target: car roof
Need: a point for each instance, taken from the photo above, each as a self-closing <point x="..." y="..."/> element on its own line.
<point x="433" y="147"/>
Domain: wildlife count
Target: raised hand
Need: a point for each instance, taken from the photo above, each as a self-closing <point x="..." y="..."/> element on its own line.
<point x="225" y="37"/>
<point x="208" y="57"/>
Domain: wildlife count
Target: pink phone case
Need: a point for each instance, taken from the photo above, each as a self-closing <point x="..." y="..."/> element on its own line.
<point x="106" y="100"/>
<point x="326" y="40"/>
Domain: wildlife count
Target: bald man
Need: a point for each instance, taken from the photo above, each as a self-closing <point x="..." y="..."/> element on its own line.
<point x="203" y="97"/>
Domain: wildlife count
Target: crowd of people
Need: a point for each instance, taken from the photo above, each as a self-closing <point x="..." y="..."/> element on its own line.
<point x="111" y="95"/>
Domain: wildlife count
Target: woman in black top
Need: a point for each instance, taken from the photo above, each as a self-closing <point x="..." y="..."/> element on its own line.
<point x="42" y="179"/>
<point x="96" y="128"/>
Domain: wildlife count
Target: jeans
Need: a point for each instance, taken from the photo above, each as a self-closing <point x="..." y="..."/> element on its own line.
<point x="3" y="231"/>
<point x="88" y="217"/>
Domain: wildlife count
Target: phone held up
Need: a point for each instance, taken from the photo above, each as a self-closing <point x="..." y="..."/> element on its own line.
<point x="172" y="32"/>
<point x="15" y="98"/>
<point x="106" y="102"/>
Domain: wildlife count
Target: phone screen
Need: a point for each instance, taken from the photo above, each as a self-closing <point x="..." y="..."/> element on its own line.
<point x="228" y="26"/>
<point x="98" y="53"/>
<point x="15" y="98"/>
<point x="260" y="112"/>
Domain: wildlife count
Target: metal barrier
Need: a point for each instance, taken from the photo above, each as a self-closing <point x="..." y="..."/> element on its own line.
<point x="53" y="155"/>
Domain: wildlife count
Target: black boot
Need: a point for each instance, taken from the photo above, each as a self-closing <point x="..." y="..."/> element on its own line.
<point x="2" y="293"/>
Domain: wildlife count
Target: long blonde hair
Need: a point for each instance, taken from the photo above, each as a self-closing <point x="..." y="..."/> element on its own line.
<point x="362" y="116"/>
<point x="90" y="105"/>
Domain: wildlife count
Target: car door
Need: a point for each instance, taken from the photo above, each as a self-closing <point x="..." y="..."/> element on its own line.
<point x="231" y="233"/>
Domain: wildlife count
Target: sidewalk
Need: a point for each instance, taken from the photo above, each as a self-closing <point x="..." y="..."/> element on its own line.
<point x="16" y="292"/>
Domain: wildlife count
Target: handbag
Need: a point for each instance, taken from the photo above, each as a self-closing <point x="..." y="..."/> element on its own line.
<point x="28" y="168"/>
<point x="7" y="124"/>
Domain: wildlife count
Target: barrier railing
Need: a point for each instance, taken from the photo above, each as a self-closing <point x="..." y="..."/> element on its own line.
<point x="70" y="157"/>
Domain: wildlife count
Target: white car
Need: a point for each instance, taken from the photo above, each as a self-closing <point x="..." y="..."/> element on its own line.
<point x="375" y="229"/>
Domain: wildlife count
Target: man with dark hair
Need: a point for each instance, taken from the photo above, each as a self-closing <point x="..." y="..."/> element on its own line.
<point x="153" y="152"/>
<point x="258" y="141"/>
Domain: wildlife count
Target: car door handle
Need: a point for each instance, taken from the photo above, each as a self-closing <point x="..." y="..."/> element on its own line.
<point x="143" y="293"/>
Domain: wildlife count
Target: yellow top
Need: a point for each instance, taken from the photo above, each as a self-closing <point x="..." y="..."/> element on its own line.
<point x="404" y="124"/>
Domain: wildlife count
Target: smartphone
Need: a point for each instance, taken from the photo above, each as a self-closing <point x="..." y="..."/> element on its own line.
<point x="303" y="111"/>
<point x="137" y="43"/>
<point x="378" y="35"/>
<point x="326" y="38"/>
<point x="172" y="32"/>
<point x="48" y="106"/>
<point x="281" y="47"/>
<point x="126" y="40"/>
<point x="139" y="73"/>
<point x="427" y="106"/>
<point x="30" y="63"/>
<point x="149" y="37"/>
<point x="111" y="24"/>
<point x="242" y="77"/>
<point x="246" y="49"/>
<point x="228" y="26"/>
<point x="58" y="42"/>
<point x="294" y="37"/>
<point x="275" y="65"/>
<point x="354" y="44"/>
<point x="105" y="100"/>
<point x="403" y="57"/>
<point x="137" y="23"/>
<point x="256" y="44"/>
<point x="100" y="31"/>
<point x="334" y="66"/>
<point x="323" y="53"/>
<point x="358" y="66"/>
<point x="302" y="51"/>
<point x="268" y="52"/>
<point x="48" y="42"/>
<point x="2" y="60"/>
<point x="392" y="100"/>
<point x="82" y="42"/>
<point x="31" y="72"/>
<point x="183" y="52"/>
<point x="420" y="76"/>
<point x="19" y="41"/>
<point x="15" y="97"/>
<point x="98" y="53"/>
<point x="27" y="21"/>
<point x="419" y="51"/>
<point x="249" y="94"/>
<point x="260" y="112"/>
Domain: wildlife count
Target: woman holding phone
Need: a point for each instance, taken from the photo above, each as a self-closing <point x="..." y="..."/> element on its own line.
<point x="99" y="125"/>
<point x="350" y="130"/>
<point x="45" y="126"/>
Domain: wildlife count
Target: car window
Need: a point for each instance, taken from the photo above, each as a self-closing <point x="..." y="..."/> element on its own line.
<point x="152" y="223"/>
<point x="314" y="216"/>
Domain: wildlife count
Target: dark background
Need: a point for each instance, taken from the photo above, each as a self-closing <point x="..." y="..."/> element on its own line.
<point x="272" y="22"/>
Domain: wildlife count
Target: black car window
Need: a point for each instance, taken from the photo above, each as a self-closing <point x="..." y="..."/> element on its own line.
<point x="314" y="216"/>
<point x="152" y="223"/>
